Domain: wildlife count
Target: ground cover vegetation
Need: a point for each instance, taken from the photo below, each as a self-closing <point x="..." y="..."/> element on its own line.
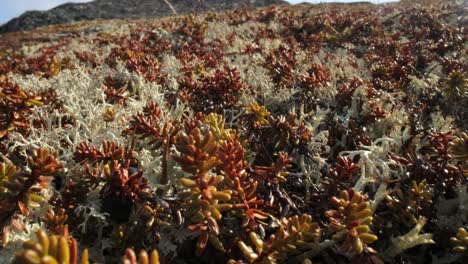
<point x="276" y="135"/>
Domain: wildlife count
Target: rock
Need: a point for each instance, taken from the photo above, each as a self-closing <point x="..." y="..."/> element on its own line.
<point x="121" y="9"/>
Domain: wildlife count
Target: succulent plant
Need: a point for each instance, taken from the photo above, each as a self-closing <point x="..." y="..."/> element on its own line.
<point x="23" y="190"/>
<point x="244" y="187"/>
<point x="109" y="151"/>
<point x="214" y="92"/>
<point x="350" y="223"/>
<point x="281" y="63"/>
<point x="407" y="205"/>
<point x="115" y="92"/>
<point x="56" y="222"/>
<point x="295" y="234"/>
<point x="43" y="163"/>
<point x="456" y="84"/>
<point x="216" y="123"/>
<point x="115" y="169"/>
<point x="153" y="124"/>
<point x="204" y="202"/>
<point x="159" y="131"/>
<point x="109" y="114"/>
<point x="345" y="169"/>
<point x="51" y="249"/>
<point x="259" y="112"/>
<point x="459" y="147"/>
<point x="277" y="172"/>
<point x="143" y="257"/>
<point x="8" y="174"/>
<point x="11" y="187"/>
<point x="152" y="216"/>
<point x="15" y="108"/>
<point x="124" y="181"/>
<point x="283" y="133"/>
<point x="198" y="151"/>
<point x="316" y="76"/>
<point x="460" y="241"/>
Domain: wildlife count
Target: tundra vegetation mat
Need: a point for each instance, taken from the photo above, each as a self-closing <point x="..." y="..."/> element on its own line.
<point x="300" y="134"/>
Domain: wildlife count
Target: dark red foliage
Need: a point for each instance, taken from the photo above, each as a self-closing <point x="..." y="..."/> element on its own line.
<point x="109" y="151"/>
<point x="344" y="169"/>
<point x="281" y="63"/>
<point x="214" y="92"/>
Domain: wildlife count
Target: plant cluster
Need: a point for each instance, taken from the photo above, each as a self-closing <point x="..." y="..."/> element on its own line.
<point x="282" y="135"/>
<point x="16" y="107"/>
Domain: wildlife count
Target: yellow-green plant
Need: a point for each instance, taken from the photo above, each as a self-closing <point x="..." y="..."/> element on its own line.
<point x="295" y="235"/>
<point x="460" y="242"/>
<point x="216" y="124"/>
<point x="456" y="84"/>
<point x="459" y="147"/>
<point x="8" y="178"/>
<point x="23" y="190"/>
<point x="50" y="249"/>
<point x="11" y="187"/>
<point x="203" y="201"/>
<point x="259" y="112"/>
<point x="143" y="257"/>
<point x="350" y="223"/>
<point x="406" y="205"/>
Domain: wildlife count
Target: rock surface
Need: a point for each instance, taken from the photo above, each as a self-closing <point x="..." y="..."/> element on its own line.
<point x="120" y="9"/>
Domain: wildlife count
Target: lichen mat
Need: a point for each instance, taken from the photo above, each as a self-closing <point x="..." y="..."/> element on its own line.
<point x="291" y="134"/>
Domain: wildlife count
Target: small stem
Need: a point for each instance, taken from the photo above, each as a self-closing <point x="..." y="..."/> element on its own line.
<point x="308" y="180"/>
<point x="164" y="176"/>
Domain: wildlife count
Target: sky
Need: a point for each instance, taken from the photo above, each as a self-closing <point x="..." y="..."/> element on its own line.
<point x="13" y="8"/>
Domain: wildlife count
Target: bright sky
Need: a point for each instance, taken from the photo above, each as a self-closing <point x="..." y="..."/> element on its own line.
<point x="13" y="8"/>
